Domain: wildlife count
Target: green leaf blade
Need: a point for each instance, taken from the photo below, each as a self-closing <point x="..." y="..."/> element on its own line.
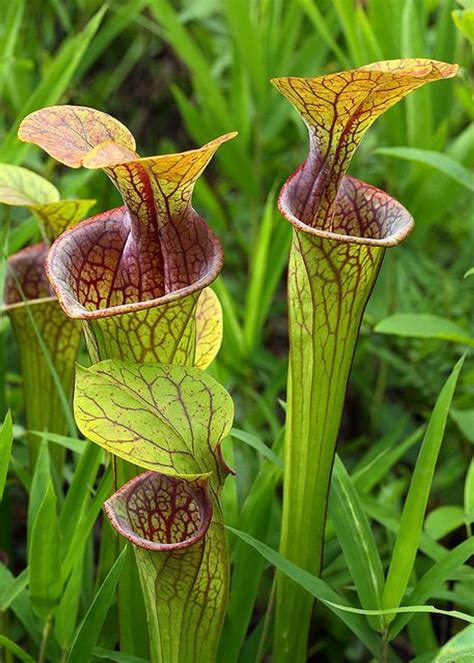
<point x="421" y="325"/>
<point x="45" y="557"/>
<point x="411" y="523"/>
<point x="88" y="633"/>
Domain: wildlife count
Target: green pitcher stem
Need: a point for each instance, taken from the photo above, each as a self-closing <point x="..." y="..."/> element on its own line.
<point x="185" y="620"/>
<point x="61" y="337"/>
<point x="136" y="337"/>
<point x="328" y="287"/>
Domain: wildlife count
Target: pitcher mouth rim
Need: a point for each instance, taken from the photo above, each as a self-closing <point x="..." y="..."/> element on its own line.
<point x="77" y="311"/>
<point x="145" y="544"/>
<point x="391" y="240"/>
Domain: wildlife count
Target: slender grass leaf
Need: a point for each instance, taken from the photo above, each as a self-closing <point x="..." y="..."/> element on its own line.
<point x="20" y="606"/>
<point x="258" y="445"/>
<point x="320" y="24"/>
<point x="39" y="484"/>
<point x="464" y="419"/>
<point x="11" y="23"/>
<point x="346" y="12"/>
<point x="411" y="522"/>
<point x="45" y="557"/>
<point x="89" y="630"/>
<point x="10" y="646"/>
<point x="421" y="325"/>
<point x="317" y="588"/>
<point x="71" y="443"/>
<point x="82" y="528"/>
<point x="389" y="519"/>
<point x="13" y="590"/>
<point x="257" y="274"/>
<point x="469" y="496"/>
<point x="6" y="441"/>
<point x="356" y="540"/>
<point x="54" y="84"/>
<point x="79" y="491"/>
<point x="419" y="118"/>
<point x="120" y="657"/>
<point x="445" y="569"/>
<point x="371" y="474"/>
<point x="440" y="162"/>
<point x="66" y="614"/>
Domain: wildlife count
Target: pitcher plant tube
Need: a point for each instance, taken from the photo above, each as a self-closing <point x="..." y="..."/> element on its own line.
<point x="133" y="275"/>
<point x="136" y="276"/>
<point x="48" y="341"/>
<point x="170" y="420"/>
<point x="341" y="228"/>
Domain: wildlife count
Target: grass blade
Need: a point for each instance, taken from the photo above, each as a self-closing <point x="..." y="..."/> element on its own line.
<point x="317" y="588"/>
<point x="411" y="522"/>
<point x="89" y="631"/>
<point x="433" y="579"/>
<point x="258" y="445"/>
<point x="39" y="484"/>
<point x="54" y="84"/>
<point x="45" y="557"/>
<point x="10" y="646"/>
<point x="6" y="440"/>
<point x="441" y="162"/>
<point x="421" y="325"/>
<point x="13" y="590"/>
<point x="356" y="540"/>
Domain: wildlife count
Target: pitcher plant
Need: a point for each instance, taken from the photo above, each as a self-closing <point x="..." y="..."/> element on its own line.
<point x="341" y="228"/>
<point x="47" y="339"/>
<point x="170" y="420"/>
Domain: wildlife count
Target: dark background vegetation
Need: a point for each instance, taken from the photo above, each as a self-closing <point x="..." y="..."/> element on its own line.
<point x="181" y="73"/>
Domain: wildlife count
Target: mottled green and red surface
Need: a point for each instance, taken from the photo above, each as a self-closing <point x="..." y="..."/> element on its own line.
<point x="341" y="229"/>
<point x="153" y="251"/>
<point x="171" y="419"/>
<point x="32" y="306"/>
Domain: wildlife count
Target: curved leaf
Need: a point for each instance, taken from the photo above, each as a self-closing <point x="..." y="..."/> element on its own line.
<point x="440" y="162"/>
<point x="422" y="325"/>
<point x="20" y="186"/>
<point x="69" y="133"/>
<point x="209" y="328"/>
<point x="338" y="109"/>
<point x="170" y="419"/>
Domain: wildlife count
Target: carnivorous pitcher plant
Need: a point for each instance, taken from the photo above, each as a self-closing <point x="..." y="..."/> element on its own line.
<point x="341" y="228"/>
<point x="47" y="339"/>
<point x="170" y="420"/>
<point x="134" y="275"/>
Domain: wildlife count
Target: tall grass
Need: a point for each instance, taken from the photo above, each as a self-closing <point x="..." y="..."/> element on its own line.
<point x="178" y="74"/>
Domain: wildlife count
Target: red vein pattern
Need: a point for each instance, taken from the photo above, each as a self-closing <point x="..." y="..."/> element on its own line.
<point x="134" y="276"/>
<point x="341" y="229"/>
<point x="172" y="419"/>
<point x="152" y="251"/>
<point x="180" y="547"/>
